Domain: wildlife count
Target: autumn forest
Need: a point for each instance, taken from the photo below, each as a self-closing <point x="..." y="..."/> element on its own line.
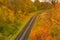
<point x="43" y="16"/>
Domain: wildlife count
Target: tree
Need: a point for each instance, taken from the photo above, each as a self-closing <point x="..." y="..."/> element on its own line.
<point x="53" y="2"/>
<point x="37" y="4"/>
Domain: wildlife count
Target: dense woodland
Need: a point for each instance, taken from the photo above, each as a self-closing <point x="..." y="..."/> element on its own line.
<point x="14" y="14"/>
<point x="18" y="7"/>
